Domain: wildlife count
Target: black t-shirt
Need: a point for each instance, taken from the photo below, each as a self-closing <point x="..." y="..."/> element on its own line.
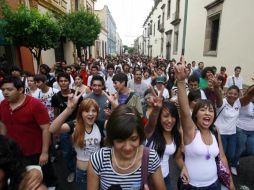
<point x="59" y="101"/>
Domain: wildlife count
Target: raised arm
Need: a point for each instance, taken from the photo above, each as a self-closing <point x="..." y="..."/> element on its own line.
<point x="185" y="115"/>
<point x="153" y="117"/>
<point x="57" y="125"/>
<point x="246" y="98"/>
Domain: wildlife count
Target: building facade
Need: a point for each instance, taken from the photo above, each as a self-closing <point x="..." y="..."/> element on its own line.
<point x="208" y="31"/>
<point x="162" y="34"/>
<point x="119" y="44"/>
<point x="220" y="37"/>
<point x="109" y="25"/>
<point x="65" y="51"/>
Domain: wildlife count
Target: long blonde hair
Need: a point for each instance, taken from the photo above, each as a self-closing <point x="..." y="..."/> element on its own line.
<point x="79" y="132"/>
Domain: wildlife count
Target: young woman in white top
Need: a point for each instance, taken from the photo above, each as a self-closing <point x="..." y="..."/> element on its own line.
<point x="228" y="113"/>
<point x="201" y="146"/>
<point x="163" y="135"/>
<point x="85" y="133"/>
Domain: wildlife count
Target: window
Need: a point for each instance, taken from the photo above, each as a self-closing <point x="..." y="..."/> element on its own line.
<point x="175" y="48"/>
<point x="176" y="35"/>
<point x="214" y="11"/>
<point x="76" y="5"/>
<point x="159" y="20"/>
<point x="169" y="8"/>
<point x="214" y="33"/>
<point x="154" y="29"/>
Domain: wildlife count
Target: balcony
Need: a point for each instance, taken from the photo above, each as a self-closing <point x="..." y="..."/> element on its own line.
<point x="55" y="5"/>
<point x="161" y="28"/>
<point x="62" y="4"/>
<point x="175" y="18"/>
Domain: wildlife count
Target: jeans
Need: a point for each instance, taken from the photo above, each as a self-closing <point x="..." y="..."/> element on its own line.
<point x="81" y="180"/>
<point x="244" y="145"/>
<point x="229" y="146"/>
<point x="168" y="182"/>
<point x="215" y="186"/>
<point x="68" y="151"/>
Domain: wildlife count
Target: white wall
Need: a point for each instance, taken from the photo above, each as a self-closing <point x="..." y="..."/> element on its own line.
<point x="236" y="39"/>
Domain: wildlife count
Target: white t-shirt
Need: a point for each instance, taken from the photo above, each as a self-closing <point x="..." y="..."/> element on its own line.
<point x="169" y="150"/>
<point x="165" y="93"/>
<point x="227" y="118"/>
<point x="92" y="144"/>
<point x="35" y="93"/>
<point x="202" y="171"/>
<point x="45" y="98"/>
<point x="147" y="81"/>
<point x="109" y="85"/>
<point x="232" y="80"/>
<point x="246" y="117"/>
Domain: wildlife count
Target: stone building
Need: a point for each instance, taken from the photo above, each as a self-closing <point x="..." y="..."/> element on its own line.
<point x="217" y="32"/>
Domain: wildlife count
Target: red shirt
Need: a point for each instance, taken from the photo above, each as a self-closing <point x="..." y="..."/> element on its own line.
<point x="23" y="124"/>
<point x="84" y="75"/>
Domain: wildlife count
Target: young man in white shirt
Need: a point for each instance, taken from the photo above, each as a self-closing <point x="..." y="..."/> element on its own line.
<point x="236" y="79"/>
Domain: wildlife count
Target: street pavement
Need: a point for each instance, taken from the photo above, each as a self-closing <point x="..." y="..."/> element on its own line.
<point x="244" y="180"/>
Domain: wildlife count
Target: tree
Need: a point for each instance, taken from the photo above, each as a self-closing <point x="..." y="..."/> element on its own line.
<point x="29" y="28"/>
<point x="81" y="27"/>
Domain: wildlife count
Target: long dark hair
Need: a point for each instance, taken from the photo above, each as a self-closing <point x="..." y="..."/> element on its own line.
<point x="158" y="139"/>
<point x="11" y="162"/>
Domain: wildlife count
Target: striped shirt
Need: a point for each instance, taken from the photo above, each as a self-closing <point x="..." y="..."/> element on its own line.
<point x="102" y="165"/>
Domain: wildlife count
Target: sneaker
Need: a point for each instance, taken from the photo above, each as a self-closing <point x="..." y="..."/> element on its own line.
<point x="71" y="177"/>
<point x="233" y="171"/>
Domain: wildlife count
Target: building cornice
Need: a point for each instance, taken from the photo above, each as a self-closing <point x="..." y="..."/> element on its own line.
<point x="213" y="4"/>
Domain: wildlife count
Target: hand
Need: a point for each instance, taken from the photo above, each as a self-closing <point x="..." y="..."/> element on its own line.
<point x="157" y="99"/>
<point x="113" y="99"/>
<point x="32" y="180"/>
<point x="180" y="72"/>
<point x="43" y="160"/>
<point x="73" y="99"/>
<point x="184" y="176"/>
<point x="146" y="187"/>
<point x="107" y="112"/>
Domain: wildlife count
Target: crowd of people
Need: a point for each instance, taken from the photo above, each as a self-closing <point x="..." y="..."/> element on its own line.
<point x="121" y="118"/>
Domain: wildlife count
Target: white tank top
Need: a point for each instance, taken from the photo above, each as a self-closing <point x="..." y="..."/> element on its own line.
<point x="202" y="171"/>
<point x="169" y="150"/>
<point x="92" y="144"/>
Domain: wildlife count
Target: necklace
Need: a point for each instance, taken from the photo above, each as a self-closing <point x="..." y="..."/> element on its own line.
<point x="208" y="155"/>
<point x="128" y="167"/>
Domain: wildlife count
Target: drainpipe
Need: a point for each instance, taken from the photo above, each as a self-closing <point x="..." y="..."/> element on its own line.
<point x="184" y="26"/>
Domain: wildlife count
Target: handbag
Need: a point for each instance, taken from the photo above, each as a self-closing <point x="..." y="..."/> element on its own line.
<point x="222" y="170"/>
<point x="144" y="169"/>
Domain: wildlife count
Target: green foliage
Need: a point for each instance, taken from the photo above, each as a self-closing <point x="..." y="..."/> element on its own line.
<point x="131" y="50"/>
<point x="82" y="27"/>
<point x="29" y="28"/>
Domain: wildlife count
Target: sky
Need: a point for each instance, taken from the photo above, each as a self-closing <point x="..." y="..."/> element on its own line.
<point x="129" y="16"/>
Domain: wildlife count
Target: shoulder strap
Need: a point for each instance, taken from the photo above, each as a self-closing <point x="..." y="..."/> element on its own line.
<point x="144" y="167"/>
<point x="233" y="78"/>
<point x="129" y="97"/>
<point x="220" y="112"/>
